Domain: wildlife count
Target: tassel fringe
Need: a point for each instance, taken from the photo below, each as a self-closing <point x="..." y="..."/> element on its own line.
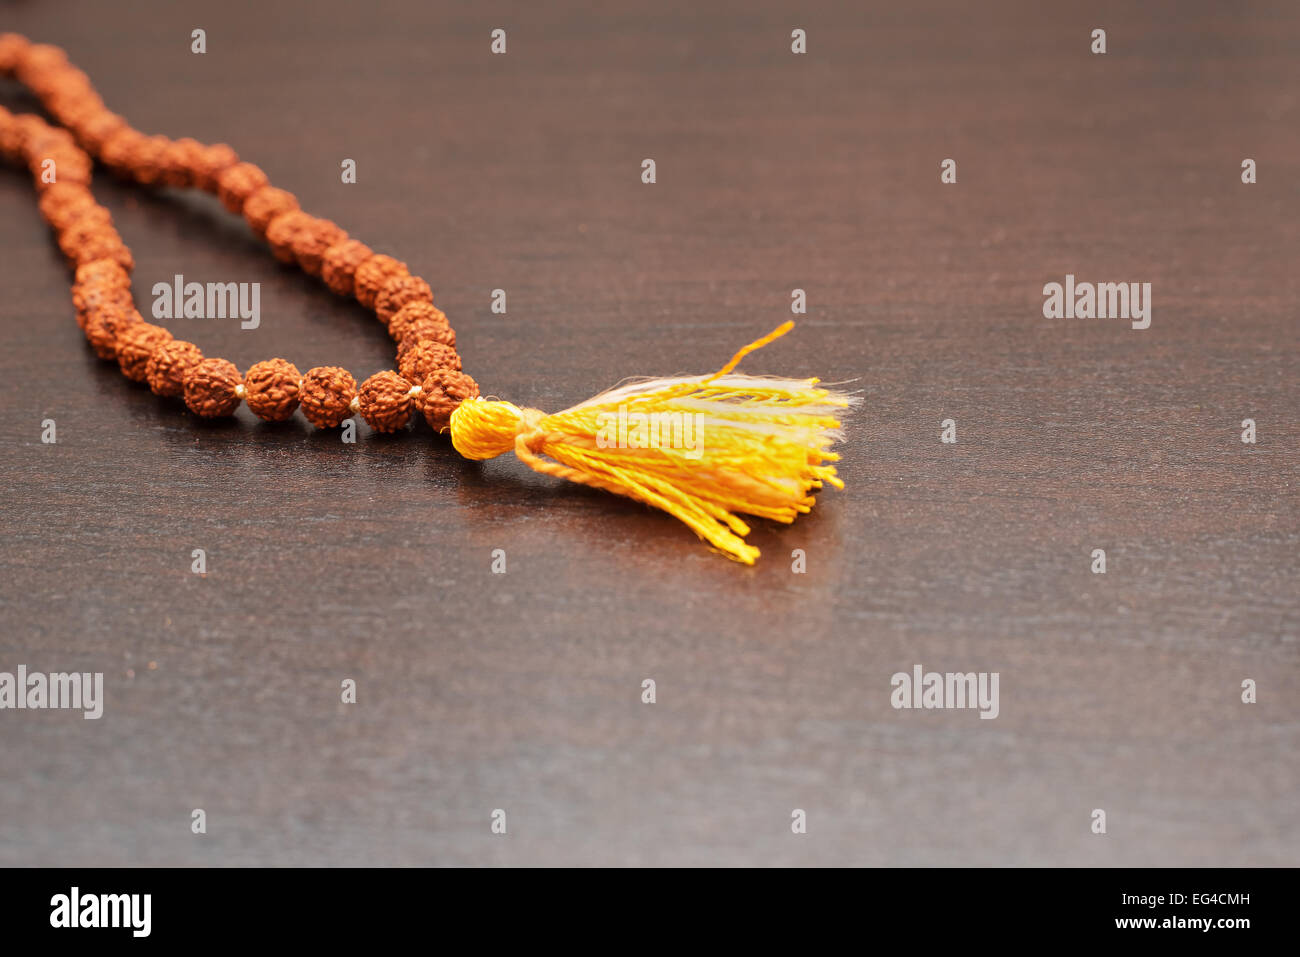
<point x="702" y="448"/>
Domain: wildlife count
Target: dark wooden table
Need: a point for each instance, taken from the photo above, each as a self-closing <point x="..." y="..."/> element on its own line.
<point x="775" y="171"/>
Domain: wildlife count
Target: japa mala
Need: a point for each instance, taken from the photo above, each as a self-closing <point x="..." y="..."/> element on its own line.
<point x="761" y="444"/>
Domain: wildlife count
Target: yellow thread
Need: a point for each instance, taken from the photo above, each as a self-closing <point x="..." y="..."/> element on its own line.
<point x="759" y="446"/>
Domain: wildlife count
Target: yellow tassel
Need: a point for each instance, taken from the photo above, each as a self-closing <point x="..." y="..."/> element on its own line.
<point x="701" y="448"/>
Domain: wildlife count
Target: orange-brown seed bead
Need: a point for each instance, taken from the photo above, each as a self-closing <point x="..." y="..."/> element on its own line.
<point x="283" y="230"/>
<point x="372" y="275"/>
<point x="425" y="358"/>
<point x="13" y="47"/>
<point x="62" y="203"/>
<point x="441" y="393"/>
<point x="397" y="292"/>
<point x="60" y="164"/>
<point x="271" y="389"/>
<point x="177" y="161"/>
<point x="102" y="271"/>
<point x="326" y="395"/>
<point x="135" y="344"/>
<point x="209" y="162"/>
<point x="311" y="242"/>
<point x="96" y="130"/>
<point x="148" y="160"/>
<point x="118" y="150"/>
<point x="264" y="204"/>
<point x="423" y="330"/>
<point x="384" y="401"/>
<point x="168" y="365"/>
<point x="90" y="298"/>
<point x="103" y="326"/>
<point x="104" y="244"/>
<point x="237" y="183"/>
<point x="338" y="267"/>
<point x="213" y="388"/>
<point x="415" y="315"/>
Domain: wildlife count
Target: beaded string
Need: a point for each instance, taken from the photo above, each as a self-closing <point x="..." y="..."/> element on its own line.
<point x="429" y="376"/>
<point x="762" y="446"/>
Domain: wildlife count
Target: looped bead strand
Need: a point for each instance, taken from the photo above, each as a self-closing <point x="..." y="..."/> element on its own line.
<point x="213" y="387"/>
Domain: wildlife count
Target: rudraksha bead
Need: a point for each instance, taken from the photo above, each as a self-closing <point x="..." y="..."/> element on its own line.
<point x="263" y="205"/>
<point x="338" y="266"/>
<point x="89" y="298"/>
<point x="168" y="365"/>
<point x="13" y="47"/>
<point x="311" y="242"/>
<point x="373" y="274"/>
<point x="119" y="150"/>
<point x="209" y="163"/>
<point x="177" y="162"/>
<point x="103" y="326"/>
<point x="103" y="243"/>
<point x="384" y="401"/>
<point x="425" y="358"/>
<point x="397" y="292"/>
<point x="422" y="330"/>
<point x="102" y="271"/>
<point x="283" y="230"/>
<point x="237" y="183"/>
<point x="135" y="344"/>
<point x="326" y="395"/>
<point x="96" y="131"/>
<point x="63" y="203"/>
<point x="212" y="388"/>
<point x="149" y="163"/>
<point x="70" y="166"/>
<point x="441" y="392"/>
<point x="271" y="389"/>
<point x="415" y="315"/>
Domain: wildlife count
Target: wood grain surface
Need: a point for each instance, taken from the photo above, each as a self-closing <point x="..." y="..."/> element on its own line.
<point x="522" y="691"/>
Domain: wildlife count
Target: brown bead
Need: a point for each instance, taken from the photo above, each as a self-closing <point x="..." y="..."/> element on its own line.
<point x="176" y="162"/>
<point x="37" y="62"/>
<point x="102" y="271"/>
<point x="237" y="183"/>
<point x="271" y="389"/>
<point x="263" y="205"/>
<point x="102" y="243"/>
<point x="67" y="165"/>
<point x="149" y="160"/>
<point x="13" y="47"/>
<point x="339" y="264"/>
<point x="310" y="243"/>
<point x="118" y="150"/>
<point x="135" y="344"/>
<point x="441" y="393"/>
<point x="89" y="225"/>
<point x="63" y="203"/>
<point x="212" y="388"/>
<point x="209" y="163"/>
<point x="425" y="358"/>
<point x="96" y="131"/>
<point x="103" y="326"/>
<point x="168" y="365"/>
<point x="26" y="134"/>
<point x="384" y="401"/>
<point x="91" y="297"/>
<point x="283" y="230"/>
<point x="422" y="330"/>
<point x="373" y="274"/>
<point x="415" y="315"/>
<point x="326" y="395"/>
<point x="397" y="292"/>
